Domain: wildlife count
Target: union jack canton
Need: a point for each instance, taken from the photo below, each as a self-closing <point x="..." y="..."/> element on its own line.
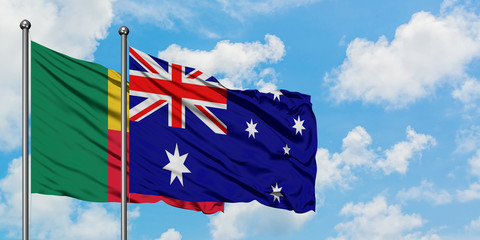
<point x="180" y="146"/>
<point x="161" y="84"/>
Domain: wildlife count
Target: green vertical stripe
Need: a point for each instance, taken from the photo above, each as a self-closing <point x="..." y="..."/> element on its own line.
<point x="69" y="130"/>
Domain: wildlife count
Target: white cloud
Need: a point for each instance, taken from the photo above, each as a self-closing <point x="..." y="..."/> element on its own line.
<point x="355" y="150"/>
<point x="468" y="140"/>
<point x="52" y="217"/>
<point x="171" y="15"/>
<point x="72" y="27"/>
<point x="469" y="92"/>
<point x="162" y="13"/>
<point x="447" y="5"/>
<point x="341" y="43"/>
<point x="470" y="194"/>
<point x="474" y="225"/>
<point x="377" y="220"/>
<point x="413" y="65"/>
<point x="237" y="63"/>
<point x="243" y="219"/>
<point x="10" y="116"/>
<point x="92" y="222"/>
<point x="397" y="157"/>
<point x="421" y="236"/>
<point x="133" y="213"/>
<point x="245" y="8"/>
<point x="425" y="192"/>
<point x="11" y="196"/>
<point x="170" y="234"/>
<point x="473" y="192"/>
<point x="337" y="168"/>
<point x="268" y="79"/>
<point x="475" y="164"/>
<point x="331" y="171"/>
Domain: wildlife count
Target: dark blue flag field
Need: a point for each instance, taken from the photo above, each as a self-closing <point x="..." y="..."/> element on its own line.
<point x="194" y="140"/>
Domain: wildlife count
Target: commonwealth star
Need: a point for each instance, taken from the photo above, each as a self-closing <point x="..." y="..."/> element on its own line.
<point x="251" y="128"/>
<point x="298" y="125"/>
<point x="276" y="192"/>
<point x="176" y="165"/>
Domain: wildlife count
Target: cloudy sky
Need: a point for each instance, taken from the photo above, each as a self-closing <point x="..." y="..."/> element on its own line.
<point x="394" y="88"/>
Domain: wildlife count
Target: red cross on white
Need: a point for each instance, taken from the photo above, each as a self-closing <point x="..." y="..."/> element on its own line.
<point x="177" y="90"/>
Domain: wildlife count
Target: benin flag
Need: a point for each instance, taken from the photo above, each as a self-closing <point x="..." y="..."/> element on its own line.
<point x="75" y="131"/>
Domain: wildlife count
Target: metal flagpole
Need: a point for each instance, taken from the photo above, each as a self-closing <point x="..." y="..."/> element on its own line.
<point x="25" y="26"/>
<point x="123" y="31"/>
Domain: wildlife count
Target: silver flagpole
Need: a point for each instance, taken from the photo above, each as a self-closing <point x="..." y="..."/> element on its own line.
<point x="25" y="26"/>
<point x="123" y="31"/>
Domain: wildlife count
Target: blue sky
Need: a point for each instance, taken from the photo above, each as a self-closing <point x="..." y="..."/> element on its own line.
<point x="394" y="88"/>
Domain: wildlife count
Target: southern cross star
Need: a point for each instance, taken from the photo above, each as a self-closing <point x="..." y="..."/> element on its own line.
<point x="276" y="192"/>
<point x="276" y="94"/>
<point x="286" y="149"/>
<point x="176" y="165"/>
<point x="251" y="128"/>
<point x="298" y="125"/>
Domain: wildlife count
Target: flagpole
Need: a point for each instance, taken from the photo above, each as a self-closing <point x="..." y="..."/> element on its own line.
<point x="123" y="31"/>
<point x="25" y="26"/>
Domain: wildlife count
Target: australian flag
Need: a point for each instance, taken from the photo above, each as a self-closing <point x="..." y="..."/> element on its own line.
<point x="194" y="140"/>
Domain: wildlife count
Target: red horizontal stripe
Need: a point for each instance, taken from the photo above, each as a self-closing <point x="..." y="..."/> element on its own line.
<point x="179" y="89"/>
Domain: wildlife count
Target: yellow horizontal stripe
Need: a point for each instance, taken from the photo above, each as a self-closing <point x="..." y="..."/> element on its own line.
<point x="114" y="101"/>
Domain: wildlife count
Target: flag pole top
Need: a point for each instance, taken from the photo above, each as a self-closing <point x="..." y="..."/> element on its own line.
<point x="123" y="30"/>
<point x="26" y="24"/>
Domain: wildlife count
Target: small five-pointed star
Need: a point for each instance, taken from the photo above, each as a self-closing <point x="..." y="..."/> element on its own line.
<point x="286" y="149"/>
<point x="276" y="94"/>
<point x="276" y="192"/>
<point x="176" y="165"/>
<point x="251" y="128"/>
<point x="298" y="125"/>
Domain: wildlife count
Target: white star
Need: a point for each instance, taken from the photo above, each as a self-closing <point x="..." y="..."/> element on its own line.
<point x="286" y="149"/>
<point x="276" y="193"/>
<point x="298" y="125"/>
<point x="251" y="128"/>
<point x="176" y="165"/>
<point x="276" y="94"/>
